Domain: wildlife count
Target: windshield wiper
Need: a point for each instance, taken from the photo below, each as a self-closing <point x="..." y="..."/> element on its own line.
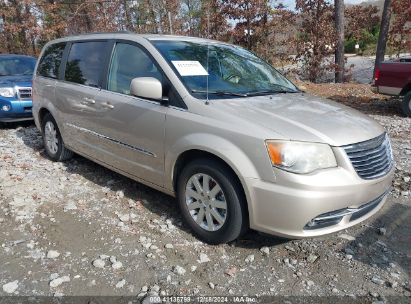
<point x="265" y="92"/>
<point x="281" y="89"/>
<point x="221" y="93"/>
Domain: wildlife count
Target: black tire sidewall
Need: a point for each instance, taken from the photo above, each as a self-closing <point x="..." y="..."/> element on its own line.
<point x="406" y="104"/>
<point x="57" y="155"/>
<point x="235" y="221"/>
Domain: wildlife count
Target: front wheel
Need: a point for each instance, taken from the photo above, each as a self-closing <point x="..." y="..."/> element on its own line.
<point x="406" y="104"/>
<point x="211" y="201"/>
<point x="53" y="142"/>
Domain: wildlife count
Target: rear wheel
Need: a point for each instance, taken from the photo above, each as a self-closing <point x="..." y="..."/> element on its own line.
<point x="406" y="104"/>
<point x="53" y="142"/>
<point x="211" y="201"/>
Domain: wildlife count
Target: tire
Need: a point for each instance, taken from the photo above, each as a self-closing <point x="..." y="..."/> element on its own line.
<point x="57" y="151"/>
<point x="234" y="215"/>
<point x="406" y="104"/>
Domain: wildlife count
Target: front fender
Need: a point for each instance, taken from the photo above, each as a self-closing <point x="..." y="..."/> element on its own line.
<point x="239" y="162"/>
<point x="218" y="146"/>
<point x="230" y="153"/>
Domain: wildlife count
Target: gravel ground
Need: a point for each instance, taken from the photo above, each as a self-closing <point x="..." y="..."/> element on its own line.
<point x="76" y="228"/>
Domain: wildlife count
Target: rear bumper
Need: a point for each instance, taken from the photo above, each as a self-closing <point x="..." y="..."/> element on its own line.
<point x="336" y="202"/>
<point x="385" y="90"/>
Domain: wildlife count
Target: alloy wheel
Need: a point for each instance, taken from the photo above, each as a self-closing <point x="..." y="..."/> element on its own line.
<point x="50" y="134"/>
<point x="206" y="202"/>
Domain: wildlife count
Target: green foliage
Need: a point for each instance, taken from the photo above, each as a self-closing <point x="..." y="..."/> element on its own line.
<point x="367" y="41"/>
<point x="349" y="46"/>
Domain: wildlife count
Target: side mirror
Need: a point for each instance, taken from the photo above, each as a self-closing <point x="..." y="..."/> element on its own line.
<point x="146" y="87"/>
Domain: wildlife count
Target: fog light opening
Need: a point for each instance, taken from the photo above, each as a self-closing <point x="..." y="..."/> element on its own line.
<point x="311" y="224"/>
<point x="6" y="108"/>
<point x="322" y="223"/>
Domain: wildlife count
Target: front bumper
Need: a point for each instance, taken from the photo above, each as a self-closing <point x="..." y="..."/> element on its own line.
<point x="16" y="119"/>
<point x="299" y="206"/>
<point x="19" y="110"/>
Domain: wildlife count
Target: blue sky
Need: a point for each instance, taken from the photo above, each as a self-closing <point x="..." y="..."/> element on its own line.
<point x="291" y="3"/>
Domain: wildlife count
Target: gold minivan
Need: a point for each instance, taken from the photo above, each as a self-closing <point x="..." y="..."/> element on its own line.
<point x="237" y="143"/>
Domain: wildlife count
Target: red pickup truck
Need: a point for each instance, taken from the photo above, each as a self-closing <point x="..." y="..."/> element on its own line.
<point x="394" y="78"/>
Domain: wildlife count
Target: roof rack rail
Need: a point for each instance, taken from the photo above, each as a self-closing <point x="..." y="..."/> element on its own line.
<point x="97" y="33"/>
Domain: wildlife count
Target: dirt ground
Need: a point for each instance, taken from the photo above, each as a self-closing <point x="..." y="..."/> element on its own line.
<point x="76" y="228"/>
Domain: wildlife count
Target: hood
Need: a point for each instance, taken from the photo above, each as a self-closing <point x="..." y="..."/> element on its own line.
<point x="20" y="81"/>
<point x="302" y="117"/>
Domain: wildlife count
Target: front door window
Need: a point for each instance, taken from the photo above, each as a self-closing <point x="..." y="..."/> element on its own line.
<point x="128" y="62"/>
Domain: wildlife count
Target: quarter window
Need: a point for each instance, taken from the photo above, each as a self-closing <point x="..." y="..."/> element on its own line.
<point x="128" y="62"/>
<point x="85" y="63"/>
<point x="50" y="62"/>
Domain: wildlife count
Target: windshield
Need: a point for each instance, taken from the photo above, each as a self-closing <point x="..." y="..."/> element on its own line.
<point x="232" y="71"/>
<point x="17" y="66"/>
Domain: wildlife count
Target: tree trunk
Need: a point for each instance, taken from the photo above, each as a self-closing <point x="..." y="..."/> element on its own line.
<point x="339" y="50"/>
<point x="87" y="20"/>
<point x="20" y="45"/>
<point x="129" y="26"/>
<point x="382" y="38"/>
<point x="7" y="35"/>
<point x="248" y="28"/>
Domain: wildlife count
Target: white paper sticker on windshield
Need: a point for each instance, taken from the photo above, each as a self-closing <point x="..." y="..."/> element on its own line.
<point x="189" y="68"/>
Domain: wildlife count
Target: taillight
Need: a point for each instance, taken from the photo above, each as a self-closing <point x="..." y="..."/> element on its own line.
<point x="377" y="74"/>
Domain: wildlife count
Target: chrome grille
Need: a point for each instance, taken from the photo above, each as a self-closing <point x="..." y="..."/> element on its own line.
<point x="372" y="158"/>
<point x="24" y="93"/>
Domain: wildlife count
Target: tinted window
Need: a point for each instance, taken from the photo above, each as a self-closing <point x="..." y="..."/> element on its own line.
<point x="129" y="62"/>
<point x="85" y="63"/>
<point x="16" y="66"/>
<point x="50" y="62"/>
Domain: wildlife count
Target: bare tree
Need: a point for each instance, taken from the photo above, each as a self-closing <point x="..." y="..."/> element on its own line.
<point x="339" y="49"/>
<point x="316" y="38"/>
<point x="400" y="32"/>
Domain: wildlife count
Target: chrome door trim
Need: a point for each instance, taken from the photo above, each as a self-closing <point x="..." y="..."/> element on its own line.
<point x="138" y="149"/>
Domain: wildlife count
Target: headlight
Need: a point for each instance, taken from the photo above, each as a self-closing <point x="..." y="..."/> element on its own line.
<point x="7" y="92"/>
<point x="300" y="157"/>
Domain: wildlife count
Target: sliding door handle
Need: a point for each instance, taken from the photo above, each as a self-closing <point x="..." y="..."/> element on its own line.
<point x="107" y="105"/>
<point x="87" y="100"/>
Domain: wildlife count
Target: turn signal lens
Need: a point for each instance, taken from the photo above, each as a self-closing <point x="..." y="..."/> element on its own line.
<point x="274" y="149"/>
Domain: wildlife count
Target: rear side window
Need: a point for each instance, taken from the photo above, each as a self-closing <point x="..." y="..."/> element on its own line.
<point x="50" y="61"/>
<point x="85" y="63"/>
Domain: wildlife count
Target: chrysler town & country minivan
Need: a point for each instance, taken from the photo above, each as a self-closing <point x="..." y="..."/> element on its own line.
<point x="238" y="144"/>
